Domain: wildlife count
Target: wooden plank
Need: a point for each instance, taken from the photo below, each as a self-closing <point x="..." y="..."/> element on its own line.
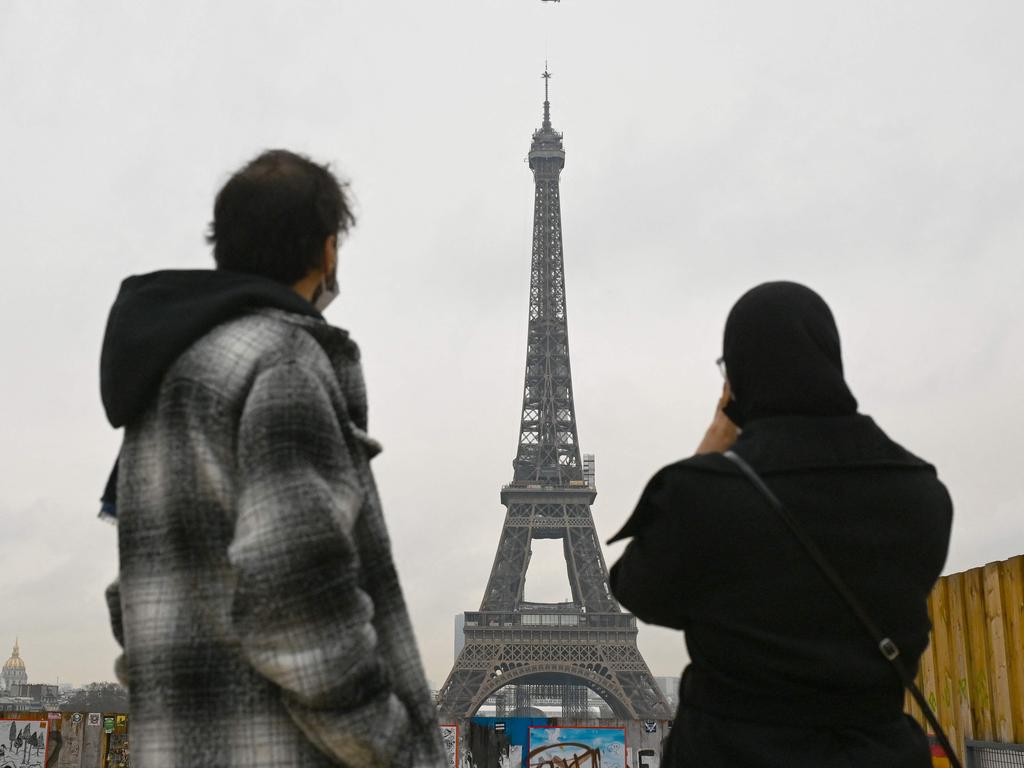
<point x="72" y="728"/>
<point x="958" y="640"/>
<point x="927" y="685"/>
<point x="910" y="704"/>
<point x="92" y="739"/>
<point x="999" y="673"/>
<point x="977" y="652"/>
<point x="944" y="669"/>
<point x="1011" y="577"/>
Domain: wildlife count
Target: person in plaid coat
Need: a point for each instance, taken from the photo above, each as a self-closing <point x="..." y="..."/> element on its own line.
<point x="257" y="603"/>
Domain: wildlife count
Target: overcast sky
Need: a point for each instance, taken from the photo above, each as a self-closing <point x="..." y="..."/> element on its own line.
<point x="870" y="149"/>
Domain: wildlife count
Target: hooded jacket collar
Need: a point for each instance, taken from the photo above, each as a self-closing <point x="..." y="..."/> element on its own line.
<point x="158" y="316"/>
<point x="796" y="443"/>
<point x="779" y="444"/>
<point x="344" y="355"/>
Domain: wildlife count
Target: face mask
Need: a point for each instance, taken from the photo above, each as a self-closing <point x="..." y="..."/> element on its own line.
<point x="327" y="293"/>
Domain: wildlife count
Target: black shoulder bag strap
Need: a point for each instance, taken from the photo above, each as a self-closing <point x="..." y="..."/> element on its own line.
<point x="885" y="644"/>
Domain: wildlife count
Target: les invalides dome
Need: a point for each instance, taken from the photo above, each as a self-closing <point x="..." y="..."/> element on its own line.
<point x="14" y="670"/>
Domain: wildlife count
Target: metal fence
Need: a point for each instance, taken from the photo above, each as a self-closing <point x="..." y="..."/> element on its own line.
<point x="989" y="754"/>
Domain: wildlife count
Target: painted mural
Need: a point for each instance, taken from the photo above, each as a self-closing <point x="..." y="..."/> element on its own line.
<point x="583" y="747"/>
<point x="23" y="743"/>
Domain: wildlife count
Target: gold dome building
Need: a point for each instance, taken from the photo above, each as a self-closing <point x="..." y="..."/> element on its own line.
<point x="14" y="670"/>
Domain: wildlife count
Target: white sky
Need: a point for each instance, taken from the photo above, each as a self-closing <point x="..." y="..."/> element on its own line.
<point x="870" y="149"/>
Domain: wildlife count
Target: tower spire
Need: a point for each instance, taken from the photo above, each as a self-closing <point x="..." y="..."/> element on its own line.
<point x="548" y="451"/>
<point x="547" y="104"/>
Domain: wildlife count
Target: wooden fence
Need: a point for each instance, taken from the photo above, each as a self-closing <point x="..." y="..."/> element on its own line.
<point x="972" y="672"/>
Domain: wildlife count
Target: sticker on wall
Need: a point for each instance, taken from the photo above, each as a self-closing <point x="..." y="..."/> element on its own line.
<point x="94" y="718"/>
<point x="76" y="718"/>
<point x="108" y="724"/>
<point x="650" y="726"/>
<point x="593" y="747"/>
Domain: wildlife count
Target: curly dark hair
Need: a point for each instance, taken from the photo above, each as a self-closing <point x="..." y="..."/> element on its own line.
<point x="272" y="217"/>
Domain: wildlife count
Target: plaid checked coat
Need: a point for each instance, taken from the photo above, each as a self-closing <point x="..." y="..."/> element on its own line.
<point x="257" y="603"/>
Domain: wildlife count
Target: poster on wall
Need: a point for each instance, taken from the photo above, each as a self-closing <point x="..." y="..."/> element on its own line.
<point x="591" y="747"/>
<point x="450" y="737"/>
<point x="23" y="743"/>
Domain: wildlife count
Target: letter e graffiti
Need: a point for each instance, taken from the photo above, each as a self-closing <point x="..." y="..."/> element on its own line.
<point x="643" y="761"/>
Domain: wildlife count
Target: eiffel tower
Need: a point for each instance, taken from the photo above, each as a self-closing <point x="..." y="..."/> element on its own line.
<point x="518" y="653"/>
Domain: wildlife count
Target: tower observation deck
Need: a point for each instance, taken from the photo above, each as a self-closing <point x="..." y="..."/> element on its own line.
<point x="518" y="653"/>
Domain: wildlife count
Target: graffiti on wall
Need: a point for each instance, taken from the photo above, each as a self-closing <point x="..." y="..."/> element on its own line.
<point x="450" y="737"/>
<point x="22" y="743"/>
<point x="589" y="747"/>
<point x="117" y="751"/>
<point x="70" y="755"/>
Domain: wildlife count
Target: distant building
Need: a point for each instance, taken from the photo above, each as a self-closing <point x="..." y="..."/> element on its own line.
<point x="460" y="633"/>
<point x="41" y="695"/>
<point x="17" y="694"/>
<point x="598" y="707"/>
<point x="670" y="687"/>
<point x="16" y="703"/>
<point x="589" y="470"/>
<point x="13" y="672"/>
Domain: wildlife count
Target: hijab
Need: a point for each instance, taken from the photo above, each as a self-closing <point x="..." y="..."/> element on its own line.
<point x="782" y="355"/>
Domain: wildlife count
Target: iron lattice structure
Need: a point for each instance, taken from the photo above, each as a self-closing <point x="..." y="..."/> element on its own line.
<point x="541" y="650"/>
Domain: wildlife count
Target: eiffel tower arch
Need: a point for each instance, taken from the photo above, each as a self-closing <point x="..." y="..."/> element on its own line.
<point x="553" y="649"/>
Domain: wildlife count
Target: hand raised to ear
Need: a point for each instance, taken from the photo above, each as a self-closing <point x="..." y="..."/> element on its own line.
<point x="722" y="433"/>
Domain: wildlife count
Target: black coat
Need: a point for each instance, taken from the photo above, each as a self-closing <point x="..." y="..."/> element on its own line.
<point x="781" y="673"/>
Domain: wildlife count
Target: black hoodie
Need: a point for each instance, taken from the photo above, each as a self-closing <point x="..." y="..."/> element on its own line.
<point x="782" y="355"/>
<point x="155" y="318"/>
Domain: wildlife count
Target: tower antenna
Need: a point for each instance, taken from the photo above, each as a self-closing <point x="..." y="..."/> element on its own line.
<point x="547" y="104"/>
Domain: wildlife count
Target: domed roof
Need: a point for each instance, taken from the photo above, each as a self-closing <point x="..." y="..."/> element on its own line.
<point x="15" y="661"/>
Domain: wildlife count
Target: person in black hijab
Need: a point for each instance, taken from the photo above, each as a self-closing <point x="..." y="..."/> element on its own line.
<point x="781" y="672"/>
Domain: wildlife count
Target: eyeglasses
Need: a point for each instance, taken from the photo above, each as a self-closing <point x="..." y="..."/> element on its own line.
<point x="720" y="362"/>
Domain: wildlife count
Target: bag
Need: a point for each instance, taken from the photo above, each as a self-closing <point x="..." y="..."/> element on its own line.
<point x="885" y="644"/>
